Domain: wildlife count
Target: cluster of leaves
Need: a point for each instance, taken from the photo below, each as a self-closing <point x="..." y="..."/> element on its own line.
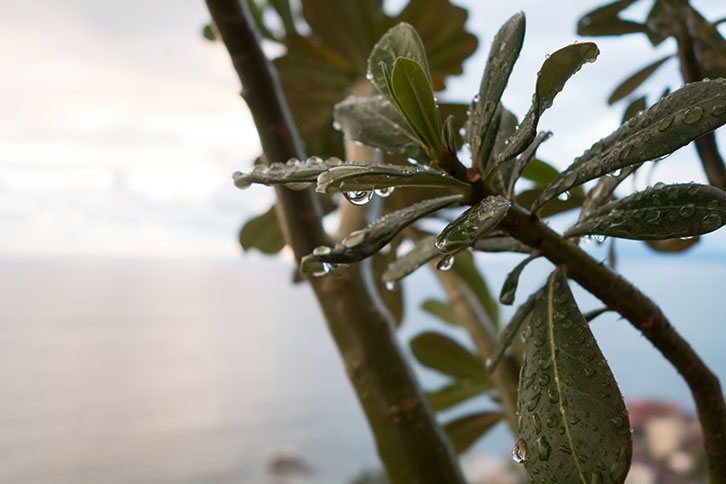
<point x="572" y="419"/>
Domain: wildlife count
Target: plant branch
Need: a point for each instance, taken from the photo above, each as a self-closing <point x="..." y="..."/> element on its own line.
<point x="411" y="444"/>
<point x="621" y="296"/>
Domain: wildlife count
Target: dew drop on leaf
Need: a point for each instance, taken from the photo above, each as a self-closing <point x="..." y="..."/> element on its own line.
<point x="687" y="211"/>
<point x="564" y="196"/>
<point x="543" y="448"/>
<point x="384" y="192"/>
<point x="711" y="221"/>
<point x="665" y="124"/>
<point x="693" y="115"/>
<point x="519" y="452"/>
<point x="359" y="197"/>
<point x="390" y="285"/>
<point x="445" y="263"/>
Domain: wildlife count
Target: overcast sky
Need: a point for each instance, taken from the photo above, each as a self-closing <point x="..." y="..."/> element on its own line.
<point x="120" y="127"/>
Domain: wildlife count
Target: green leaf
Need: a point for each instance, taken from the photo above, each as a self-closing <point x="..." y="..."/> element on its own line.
<point x="209" y="33"/>
<point x="556" y="70"/>
<point x="399" y="41"/>
<point x="505" y="123"/>
<point x="391" y="295"/>
<point x="465" y="268"/>
<point x="665" y="212"/>
<point x="634" y="108"/>
<point x="352" y="177"/>
<point x="294" y="174"/>
<point x="539" y="172"/>
<point x="465" y="431"/>
<point x="448" y="134"/>
<point x="455" y="393"/>
<point x="363" y="243"/>
<point x="634" y="81"/>
<point x="510" y="331"/>
<point x="441" y="27"/>
<point x="502" y="56"/>
<point x="573" y="425"/>
<point x="376" y="122"/>
<point x="263" y="233"/>
<point x="603" y="190"/>
<point x="555" y="206"/>
<point x="441" y="310"/>
<point x="421" y="253"/>
<point x="443" y="354"/>
<point x="671" y="123"/>
<point x="512" y="281"/>
<point x="605" y="21"/>
<point x="521" y="162"/>
<point x="415" y="97"/>
<point x="501" y="243"/>
<point x="473" y="224"/>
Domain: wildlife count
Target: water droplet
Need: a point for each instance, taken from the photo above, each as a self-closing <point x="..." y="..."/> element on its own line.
<point x="519" y="452"/>
<point x="384" y="192"/>
<point x="617" y="470"/>
<point x="564" y="196"/>
<point x="712" y="205"/>
<point x="595" y="478"/>
<point x="552" y="421"/>
<point x="589" y="372"/>
<point x="718" y="110"/>
<point x="369" y="75"/>
<point x="537" y="423"/>
<point x="337" y="126"/>
<point x="359" y="197"/>
<point x="543" y="379"/>
<point x="543" y="448"/>
<point x="711" y="222"/>
<point x="322" y="251"/>
<point x="693" y="115"/>
<point x="391" y="285"/>
<point x="665" y="124"/>
<point x="354" y="239"/>
<point x="568" y="381"/>
<point x="445" y="263"/>
<point x="688" y="210"/>
<point x="314" y="160"/>
<point x="532" y="403"/>
<point x="462" y="132"/>
<point x="599" y="238"/>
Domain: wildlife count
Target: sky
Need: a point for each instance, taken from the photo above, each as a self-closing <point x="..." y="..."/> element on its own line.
<point x="120" y="127"/>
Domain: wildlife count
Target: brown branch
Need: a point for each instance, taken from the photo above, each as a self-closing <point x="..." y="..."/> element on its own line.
<point x="411" y="444"/>
<point x="633" y="305"/>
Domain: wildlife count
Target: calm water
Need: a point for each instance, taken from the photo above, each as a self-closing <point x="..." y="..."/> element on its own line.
<point x="199" y="371"/>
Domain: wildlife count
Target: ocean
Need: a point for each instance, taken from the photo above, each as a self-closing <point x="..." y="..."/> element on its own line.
<point x="141" y="371"/>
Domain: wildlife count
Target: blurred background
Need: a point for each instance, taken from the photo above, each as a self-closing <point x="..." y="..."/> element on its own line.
<point x="138" y="344"/>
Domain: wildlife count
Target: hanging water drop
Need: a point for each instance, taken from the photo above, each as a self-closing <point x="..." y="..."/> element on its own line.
<point x="564" y="196"/>
<point x="359" y="197"/>
<point x="369" y="75"/>
<point x="337" y="126"/>
<point x="384" y="192"/>
<point x="445" y="263"/>
<point x="519" y="452"/>
<point x="391" y="285"/>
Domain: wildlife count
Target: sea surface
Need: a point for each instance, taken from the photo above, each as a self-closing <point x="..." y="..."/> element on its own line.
<point x="161" y="371"/>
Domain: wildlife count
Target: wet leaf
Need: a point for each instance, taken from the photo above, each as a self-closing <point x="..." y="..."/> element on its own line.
<point x="556" y="70"/>
<point x="634" y="81"/>
<point x="501" y="243"/>
<point x="502" y="56"/>
<point x="527" y="156"/>
<point x="510" y="331"/>
<point x="448" y="134"/>
<point x="209" y="33"/>
<point x="455" y="393"/>
<point x="672" y="246"/>
<point x="376" y="122"/>
<point x="441" y="27"/>
<point x="363" y="243"/>
<point x="605" y="21"/>
<point x="512" y="281"/>
<point x="399" y="41"/>
<point x="465" y="431"/>
<point x="634" y="108"/>
<point x="555" y="206"/>
<point x="465" y="267"/>
<point x="669" y="211"/>
<point x="421" y="253"/>
<point x="351" y="177"/>
<point x="441" y="353"/>
<point x="505" y="123"/>
<point x="671" y="123"/>
<point x="263" y="233"/>
<point x="415" y="97"/>
<point x="573" y="424"/>
<point x="603" y="190"/>
<point x="539" y="172"/>
<point x="295" y="174"/>
<point x="441" y="310"/>
<point x="476" y="222"/>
